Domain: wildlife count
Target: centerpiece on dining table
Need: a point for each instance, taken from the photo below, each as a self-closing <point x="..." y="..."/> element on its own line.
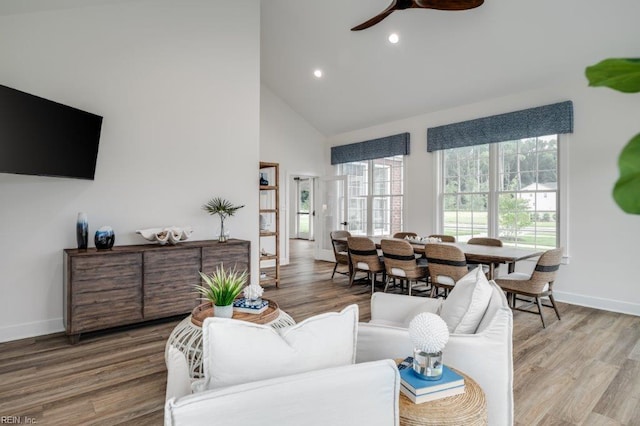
<point x="422" y="240"/>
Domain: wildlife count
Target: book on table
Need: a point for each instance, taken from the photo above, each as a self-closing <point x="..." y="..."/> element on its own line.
<point x="242" y="305"/>
<point x="420" y="390"/>
<point x="419" y="399"/>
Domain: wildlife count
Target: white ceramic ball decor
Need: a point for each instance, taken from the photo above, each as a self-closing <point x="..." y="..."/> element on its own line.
<point x="428" y="332"/>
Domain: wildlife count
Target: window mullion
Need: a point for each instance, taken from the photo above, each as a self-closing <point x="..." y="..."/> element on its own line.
<point x="439" y="186"/>
<point x="370" y="199"/>
<point x="494" y="176"/>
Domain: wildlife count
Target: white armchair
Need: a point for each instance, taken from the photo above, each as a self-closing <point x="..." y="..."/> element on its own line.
<point x="486" y="356"/>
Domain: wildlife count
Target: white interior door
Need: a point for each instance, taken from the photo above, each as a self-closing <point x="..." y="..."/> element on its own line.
<point x="332" y="213"/>
<point x="304" y="207"/>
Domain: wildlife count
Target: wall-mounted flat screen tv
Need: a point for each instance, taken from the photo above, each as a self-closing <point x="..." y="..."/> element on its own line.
<point x="45" y="138"/>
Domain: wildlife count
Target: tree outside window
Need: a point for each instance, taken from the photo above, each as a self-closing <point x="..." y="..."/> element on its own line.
<point x="506" y="190"/>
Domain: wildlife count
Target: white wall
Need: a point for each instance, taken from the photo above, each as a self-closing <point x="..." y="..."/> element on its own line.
<point x="288" y="139"/>
<point x="178" y="85"/>
<point x="601" y="238"/>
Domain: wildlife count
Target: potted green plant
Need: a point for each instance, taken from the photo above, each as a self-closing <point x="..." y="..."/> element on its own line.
<point x="223" y="208"/>
<point x="623" y="75"/>
<point x="221" y="289"/>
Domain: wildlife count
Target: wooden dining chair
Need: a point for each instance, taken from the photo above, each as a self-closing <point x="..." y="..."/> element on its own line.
<point x="447" y="264"/>
<point x="535" y="286"/>
<point x="364" y="257"/>
<point x="485" y="241"/>
<point x="489" y="270"/>
<point x="403" y="235"/>
<point x="400" y="263"/>
<point x="340" y="251"/>
<point x="444" y="238"/>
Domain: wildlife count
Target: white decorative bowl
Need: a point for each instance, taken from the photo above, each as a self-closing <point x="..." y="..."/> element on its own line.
<point x="424" y="239"/>
<point x="172" y="234"/>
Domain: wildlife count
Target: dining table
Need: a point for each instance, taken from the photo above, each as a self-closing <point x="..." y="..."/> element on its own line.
<point x="476" y="253"/>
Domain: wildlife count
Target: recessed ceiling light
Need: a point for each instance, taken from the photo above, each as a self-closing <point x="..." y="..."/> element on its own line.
<point x="317" y="73"/>
<point x="394" y="38"/>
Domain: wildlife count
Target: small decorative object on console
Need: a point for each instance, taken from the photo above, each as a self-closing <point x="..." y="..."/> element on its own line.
<point x="429" y="335"/>
<point x="223" y="208"/>
<point x="82" y="231"/>
<point x="172" y="235"/>
<point x="104" y="238"/>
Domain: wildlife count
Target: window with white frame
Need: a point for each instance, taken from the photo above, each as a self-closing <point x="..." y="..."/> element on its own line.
<point x="500" y="176"/>
<point x="506" y="190"/>
<point x="375" y="195"/>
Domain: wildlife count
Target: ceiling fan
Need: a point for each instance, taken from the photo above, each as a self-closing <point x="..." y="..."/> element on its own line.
<point x="420" y="4"/>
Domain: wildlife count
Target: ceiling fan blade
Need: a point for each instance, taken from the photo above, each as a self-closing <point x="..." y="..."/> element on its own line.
<point x="448" y="4"/>
<point x="421" y="4"/>
<point x="379" y="17"/>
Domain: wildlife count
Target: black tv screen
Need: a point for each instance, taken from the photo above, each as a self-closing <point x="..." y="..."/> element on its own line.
<point x="45" y="138"/>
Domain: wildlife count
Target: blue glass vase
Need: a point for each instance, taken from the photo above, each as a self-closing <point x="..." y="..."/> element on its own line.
<point x="82" y="231"/>
<point x="104" y="238"/>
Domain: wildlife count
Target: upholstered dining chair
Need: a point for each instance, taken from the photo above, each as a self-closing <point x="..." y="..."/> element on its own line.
<point x="535" y="286"/>
<point x="364" y="257"/>
<point x="400" y="263"/>
<point x="444" y="238"/>
<point x="403" y="235"/>
<point x="489" y="270"/>
<point x="340" y="251"/>
<point x="447" y="264"/>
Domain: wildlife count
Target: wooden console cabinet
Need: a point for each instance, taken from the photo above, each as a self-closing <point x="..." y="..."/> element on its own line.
<point x="131" y="284"/>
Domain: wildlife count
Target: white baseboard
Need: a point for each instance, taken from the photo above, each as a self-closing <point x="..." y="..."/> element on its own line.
<point x="598" y="303"/>
<point x="31" y="329"/>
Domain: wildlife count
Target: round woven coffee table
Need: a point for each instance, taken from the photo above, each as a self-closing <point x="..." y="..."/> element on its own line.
<point x="187" y="335"/>
<point x="469" y="408"/>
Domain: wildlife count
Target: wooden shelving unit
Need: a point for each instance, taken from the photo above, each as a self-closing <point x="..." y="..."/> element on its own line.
<point x="270" y="224"/>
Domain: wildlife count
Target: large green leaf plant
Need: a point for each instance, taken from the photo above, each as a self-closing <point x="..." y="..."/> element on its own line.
<point x="623" y="75"/>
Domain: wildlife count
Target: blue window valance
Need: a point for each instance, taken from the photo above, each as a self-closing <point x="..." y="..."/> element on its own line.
<point x="368" y="150"/>
<point x="528" y="123"/>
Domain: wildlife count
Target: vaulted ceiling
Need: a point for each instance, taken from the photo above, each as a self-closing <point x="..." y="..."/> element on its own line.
<point x="443" y="59"/>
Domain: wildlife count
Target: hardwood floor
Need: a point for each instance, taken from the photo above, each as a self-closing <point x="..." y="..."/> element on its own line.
<point x="584" y="369"/>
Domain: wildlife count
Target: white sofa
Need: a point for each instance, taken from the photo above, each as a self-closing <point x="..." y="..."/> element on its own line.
<point x="486" y="356"/>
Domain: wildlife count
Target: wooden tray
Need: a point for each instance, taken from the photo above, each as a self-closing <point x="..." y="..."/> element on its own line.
<point x="205" y="310"/>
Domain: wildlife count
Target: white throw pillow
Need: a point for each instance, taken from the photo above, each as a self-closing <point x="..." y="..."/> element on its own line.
<point x="467" y="302"/>
<point x="238" y="352"/>
<point x="425" y="307"/>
